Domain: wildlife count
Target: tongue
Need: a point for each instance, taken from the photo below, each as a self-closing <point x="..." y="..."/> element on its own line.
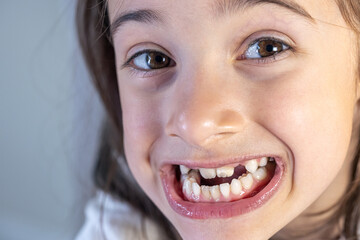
<point x="238" y="171"/>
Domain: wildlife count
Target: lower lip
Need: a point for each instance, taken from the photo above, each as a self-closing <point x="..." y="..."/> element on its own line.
<point x="221" y="209"/>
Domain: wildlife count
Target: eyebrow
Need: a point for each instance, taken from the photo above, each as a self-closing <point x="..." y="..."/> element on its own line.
<point x="223" y="7"/>
<point x="143" y="16"/>
<point x="220" y="8"/>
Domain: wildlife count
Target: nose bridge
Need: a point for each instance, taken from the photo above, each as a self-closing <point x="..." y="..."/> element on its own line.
<point x="201" y="109"/>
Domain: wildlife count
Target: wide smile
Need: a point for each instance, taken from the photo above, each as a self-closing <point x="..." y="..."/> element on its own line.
<point x="225" y="191"/>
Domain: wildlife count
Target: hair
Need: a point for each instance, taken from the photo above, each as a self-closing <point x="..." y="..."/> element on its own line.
<point x="111" y="172"/>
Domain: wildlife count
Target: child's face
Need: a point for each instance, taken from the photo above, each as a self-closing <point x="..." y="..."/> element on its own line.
<point x="218" y="85"/>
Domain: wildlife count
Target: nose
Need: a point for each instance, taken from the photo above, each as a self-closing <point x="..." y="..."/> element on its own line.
<point x="202" y="111"/>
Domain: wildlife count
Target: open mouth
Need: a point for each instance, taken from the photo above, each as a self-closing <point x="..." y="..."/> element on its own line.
<point x="224" y="191"/>
<point x="228" y="183"/>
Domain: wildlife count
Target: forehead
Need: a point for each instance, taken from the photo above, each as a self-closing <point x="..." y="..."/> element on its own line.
<point x="319" y="9"/>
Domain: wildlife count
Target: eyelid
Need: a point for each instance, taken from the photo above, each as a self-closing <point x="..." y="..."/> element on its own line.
<point x="267" y="38"/>
<point x="137" y="54"/>
<point x="261" y="35"/>
<point x="148" y="73"/>
<point x="144" y="47"/>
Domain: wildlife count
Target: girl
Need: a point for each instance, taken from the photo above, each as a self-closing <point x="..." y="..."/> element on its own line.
<point x="238" y="119"/>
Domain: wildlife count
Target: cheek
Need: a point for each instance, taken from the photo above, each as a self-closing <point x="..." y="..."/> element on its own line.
<point x="313" y="115"/>
<point x="142" y="125"/>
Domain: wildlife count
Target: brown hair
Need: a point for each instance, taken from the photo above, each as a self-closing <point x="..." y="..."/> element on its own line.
<point x="111" y="173"/>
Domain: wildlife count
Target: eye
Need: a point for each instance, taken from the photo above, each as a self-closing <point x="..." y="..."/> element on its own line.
<point x="147" y="60"/>
<point x="264" y="48"/>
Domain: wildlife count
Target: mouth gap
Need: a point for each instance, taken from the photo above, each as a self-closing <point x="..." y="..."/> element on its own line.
<point x="239" y="171"/>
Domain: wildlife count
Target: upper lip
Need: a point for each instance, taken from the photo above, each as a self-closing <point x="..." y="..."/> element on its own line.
<point x="220" y="162"/>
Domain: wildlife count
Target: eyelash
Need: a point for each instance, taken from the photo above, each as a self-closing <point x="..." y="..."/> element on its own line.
<point x="269" y="59"/>
<point x="258" y="61"/>
<point x="144" y="72"/>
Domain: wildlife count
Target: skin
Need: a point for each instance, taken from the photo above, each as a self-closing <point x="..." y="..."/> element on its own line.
<point x="211" y="104"/>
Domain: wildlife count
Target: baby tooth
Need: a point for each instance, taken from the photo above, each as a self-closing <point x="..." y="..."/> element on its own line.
<point x="184" y="170"/>
<point x="194" y="174"/>
<point x="236" y="186"/>
<point x="207" y="173"/>
<point x="260" y="174"/>
<point x="225" y="171"/>
<point x="205" y="190"/>
<point x="225" y="189"/>
<point x="251" y="166"/>
<point x="263" y="162"/>
<point x="187" y="187"/>
<point x="247" y="181"/>
<point x="196" y="189"/>
<point x="215" y="192"/>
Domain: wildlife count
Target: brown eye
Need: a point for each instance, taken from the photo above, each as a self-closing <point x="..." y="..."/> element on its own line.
<point x="269" y="47"/>
<point x="151" y="60"/>
<point x="265" y="48"/>
<point x="157" y="60"/>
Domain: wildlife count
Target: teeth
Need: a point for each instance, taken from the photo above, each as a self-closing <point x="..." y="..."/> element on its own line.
<point x="190" y="179"/>
<point x="196" y="189"/>
<point x="225" y="189"/>
<point x="236" y="186"/>
<point x="194" y="175"/>
<point x="263" y="162"/>
<point x="207" y="173"/>
<point x="184" y="170"/>
<point x="215" y="192"/>
<point x="251" y="166"/>
<point x="205" y="190"/>
<point x="183" y="178"/>
<point x="187" y="187"/>
<point x="260" y="174"/>
<point x="225" y="171"/>
<point x="247" y="181"/>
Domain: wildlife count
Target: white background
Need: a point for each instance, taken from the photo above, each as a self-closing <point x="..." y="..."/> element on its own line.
<point x="49" y="122"/>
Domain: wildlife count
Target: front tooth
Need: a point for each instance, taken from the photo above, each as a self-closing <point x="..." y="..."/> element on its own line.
<point x="260" y="174"/>
<point x="247" y="181"/>
<point x="263" y="162"/>
<point x="205" y="190"/>
<point x="251" y="166"/>
<point x="187" y="187"/>
<point x="225" y="189"/>
<point x="184" y="170"/>
<point x="235" y="186"/>
<point x="207" y="173"/>
<point x="215" y="192"/>
<point x="225" y="171"/>
<point x="196" y="189"/>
